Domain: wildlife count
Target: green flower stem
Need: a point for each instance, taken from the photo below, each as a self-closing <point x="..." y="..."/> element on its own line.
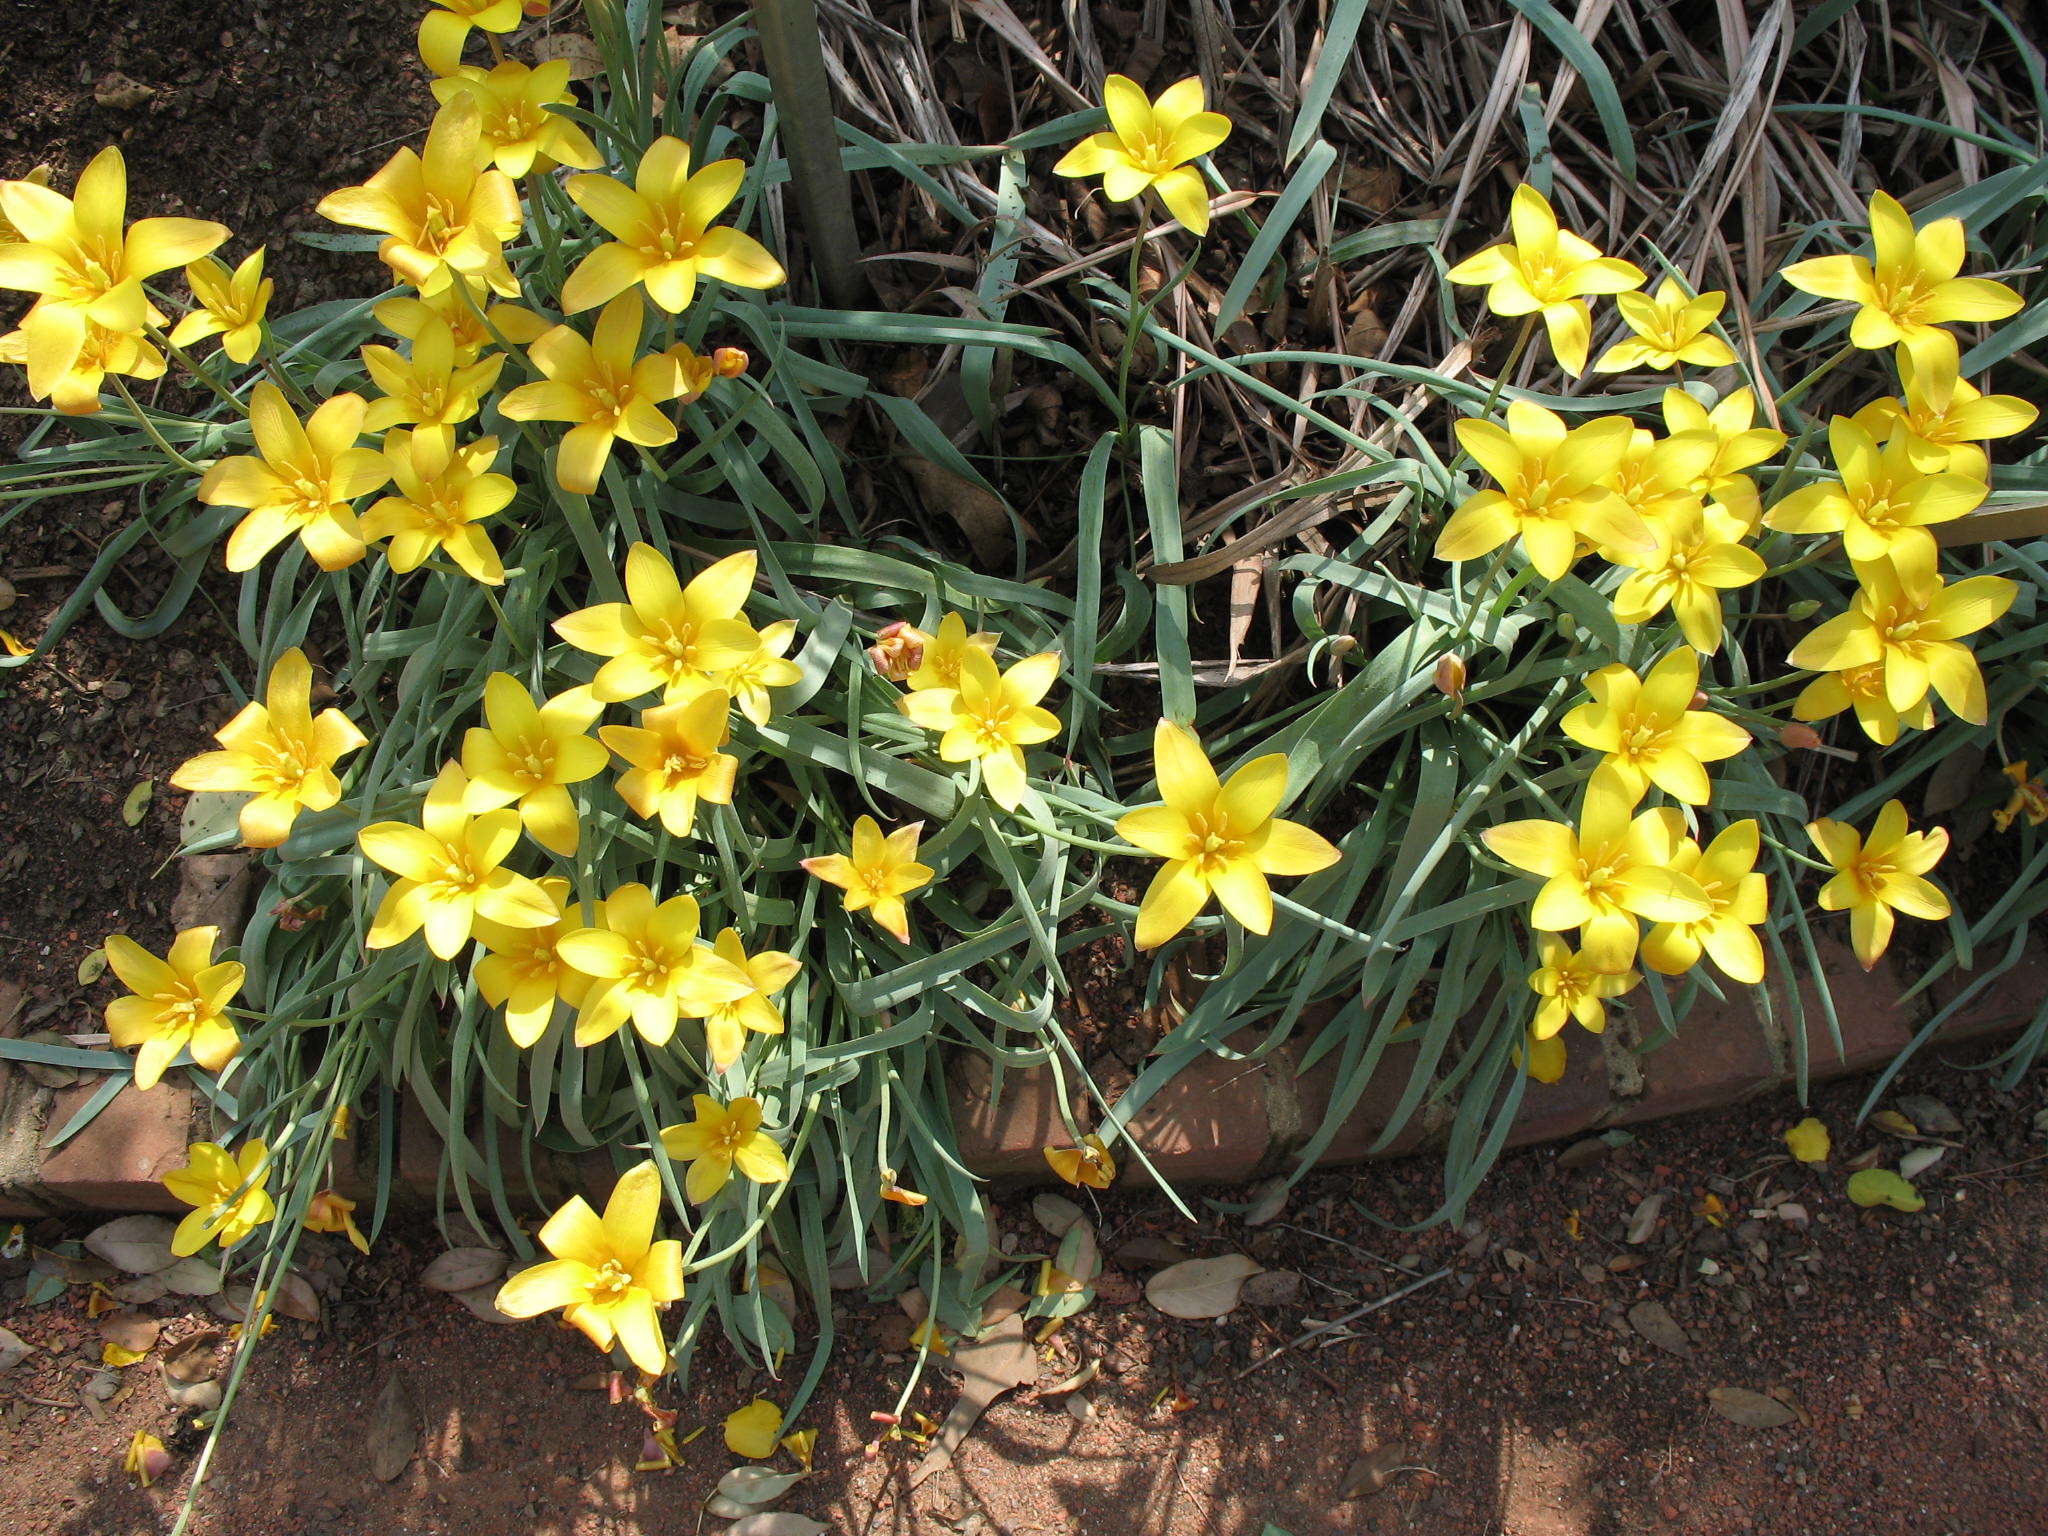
<point x="192" y="366"/>
<point x="142" y="420"/>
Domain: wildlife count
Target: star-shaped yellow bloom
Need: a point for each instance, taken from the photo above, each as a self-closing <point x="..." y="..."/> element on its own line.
<point x="1910" y="290"/>
<point x="667" y="635"/>
<point x="450" y="872"/>
<point x="278" y="752"/>
<point x="231" y="305"/>
<point x="1606" y="874"/>
<point x="608" y="1275"/>
<point x="180" y="1002"/>
<point x="303" y="479"/>
<point x="1218" y="837"/>
<point x="674" y="759"/>
<point x="1554" y="489"/>
<point x="1150" y="144"/>
<point x="1740" y="443"/>
<point x="1875" y="878"/>
<point x="722" y="1138"/>
<point x="1698" y="555"/>
<point x="517" y="130"/>
<point x="1548" y="271"/>
<point x="529" y="752"/>
<point x="1943" y="418"/>
<point x="226" y="1191"/>
<point x="939" y="657"/>
<point x="523" y="974"/>
<point x="443" y="493"/>
<point x="603" y="387"/>
<point x="462" y="307"/>
<point x="76" y="390"/>
<point x="991" y="717"/>
<point x="1726" y="871"/>
<point x="769" y="971"/>
<point x="1650" y="731"/>
<point x="1884" y="504"/>
<point x="878" y="875"/>
<point x="1571" y="988"/>
<point x="428" y="391"/>
<point x="766" y="666"/>
<point x="1863" y="689"/>
<point x="650" y="967"/>
<point x="1669" y="329"/>
<point x="662" y="232"/>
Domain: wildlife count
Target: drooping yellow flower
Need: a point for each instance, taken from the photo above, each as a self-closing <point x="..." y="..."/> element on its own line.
<point x="722" y="1138"/>
<point x="450" y="872"/>
<point x="443" y="218"/>
<point x="1943" y="418"/>
<point x="226" y="1191"/>
<point x="2029" y="798"/>
<point x="1740" y="443"/>
<point x="303" y="479"/>
<point x="766" y="666"/>
<point x="1698" y="555"/>
<point x="650" y="967"/>
<point x="328" y="1211"/>
<point x="518" y="131"/>
<point x="1669" y="329"/>
<point x="428" y="391"/>
<point x="231" y="305"/>
<point x="1150" y="144"/>
<point x="1913" y="625"/>
<point x="528" y="753"/>
<point x="84" y="266"/>
<point x="991" y="717"/>
<point x="1571" y="988"/>
<point x="1874" y="879"/>
<point x="940" y="657"/>
<point x="1089" y="1163"/>
<point x="1862" y="688"/>
<point x="896" y="1194"/>
<point x="727" y="1025"/>
<point x="1650" y="731"/>
<point x="1884" y="504"/>
<point x="662" y="232"/>
<point x="602" y="387"/>
<point x="1911" y="289"/>
<point x="180" y="1002"/>
<point x="753" y="1430"/>
<point x="1726" y="871"/>
<point x="1553" y="489"/>
<point x="1217" y="837"/>
<point x="462" y="308"/>
<point x="675" y="761"/>
<point x="609" y="1275"/>
<point x="667" y="635"/>
<point x="1606" y="874"/>
<point x="880" y="873"/>
<point x="279" y="752"/>
<point x="1548" y="271"/>
<point x="443" y="493"/>
<point x="76" y="390"/>
<point x="523" y="973"/>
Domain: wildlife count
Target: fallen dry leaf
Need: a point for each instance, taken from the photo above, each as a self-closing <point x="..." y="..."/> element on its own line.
<point x="779" y="1523"/>
<point x="1201" y="1288"/>
<point x="13" y="1349"/>
<point x="1649" y="1319"/>
<point x="1274" y="1288"/>
<point x="1932" y="1116"/>
<point x="1583" y="1154"/>
<point x="1055" y="1213"/>
<point x="1644" y="1222"/>
<point x="757" y="1485"/>
<point x="993" y="1364"/>
<point x="1752" y="1410"/>
<point x="1075" y="1382"/>
<point x="394" y="1430"/>
<point x="463" y="1269"/>
<point x="191" y="1360"/>
<point x="135" y="1245"/>
<point x="1149" y="1253"/>
<point x="1372" y="1472"/>
<point x="585" y="62"/>
<point x="483" y="1301"/>
<point x="295" y="1298"/>
<point x="1270" y="1198"/>
<point x="116" y="90"/>
<point x="1893" y="1123"/>
<point x="131" y="1331"/>
<point x="979" y="514"/>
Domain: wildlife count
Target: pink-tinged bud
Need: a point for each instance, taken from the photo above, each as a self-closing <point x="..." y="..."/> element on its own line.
<point x="1450" y="675"/>
<point x="729" y="362"/>
<point x="1699" y="699"/>
<point x="897" y="651"/>
<point x="536" y="7"/>
<point x="1800" y="736"/>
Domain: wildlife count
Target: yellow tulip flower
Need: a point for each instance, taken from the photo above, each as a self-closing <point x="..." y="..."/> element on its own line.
<point x="727" y="1025"/>
<point x="278" y="752"/>
<point x="675" y="759"/>
<point x="1217" y="837"/>
<point x="302" y="479"/>
<point x="722" y="1138"/>
<point x="528" y="753"/>
<point x="517" y="131"/>
<point x="39" y="177"/>
<point x="1910" y="290"/>
<point x="1548" y="271"/>
<point x="84" y="266"/>
<point x="1090" y="1163"/>
<point x="695" y="375"/>
<point x="753" y="1430"/>
<point x="443" y="218"/>
<point x="445" y="29"/>
<point x="602" y="388"/>
<point x="180" y="1002"/>
<point x="1606" y="874"/>
<point x="1913" y="626"/>
<point x="462" y="308"/>
<point x="2029" y="798"/>
<point x="766" y="666"/>
<point x="650" y="967"/>
<point x="443" y="493"/>
<point x="1741" y="445"/>
<point x="1697" y="556"/>
<point x="1726" y="871"/>
<point x="522" y="972"/>
<point x="1943" y="418"/>
<point x="1650" y="731"/>
<point x="231" y="305"/>
<point x="662" y="234"/>
<point x="1863" y="689"/>
<point x="880" y="873"/>
<point x="450" y="872"/>
<point x="991" y="717"/>
<point x="75" y="391"/>
<point x="1660" y="477"/>
<point x="428" y="391"/>
<point x="940" y="657"/>
<point x="1874" y="879"/>
<point x="227" y="1193"/>
<point x="667" y="635"/>
<point x="1884" y="503"/>
<point x="609" y="1275"/>
<point x="1669" y="329"/>
<point x="1150" y="144"/>
<point x="327" y="1211"/>
<point x="1554" y="490"/>
<point x="1571" y="989"/>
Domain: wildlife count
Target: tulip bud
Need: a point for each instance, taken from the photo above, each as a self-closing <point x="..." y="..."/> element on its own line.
<point x="1567" y="626"/>
<point x="729" y="362"/>
<point x="1802" y="610"/>
<point x="897" y="652"/>
<point x="1699" y="699"/>
<point x="1800" y="736"/>
<point x="1450" y="675"/>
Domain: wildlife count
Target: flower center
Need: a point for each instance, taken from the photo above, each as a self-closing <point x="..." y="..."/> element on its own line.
<point x="681" y="763"/>
<point x="1210" y="843"/>
<point x="876" y="878"/>
<point x="609" y="1283"/>
<point x="1641" y="738"/>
